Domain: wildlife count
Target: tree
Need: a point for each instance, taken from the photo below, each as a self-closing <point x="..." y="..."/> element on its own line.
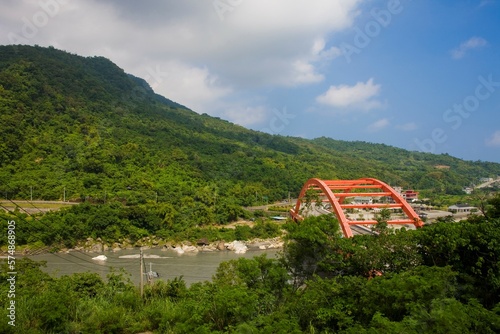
<point x="382" y="218"/>
<point x="312" y="247"/>
<point x="493" y="211"/>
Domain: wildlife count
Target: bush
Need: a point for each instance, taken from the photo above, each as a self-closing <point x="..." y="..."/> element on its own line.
<point x="243" y="232"/>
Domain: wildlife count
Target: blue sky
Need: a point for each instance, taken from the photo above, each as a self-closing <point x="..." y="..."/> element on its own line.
<point x="420" y="75"/>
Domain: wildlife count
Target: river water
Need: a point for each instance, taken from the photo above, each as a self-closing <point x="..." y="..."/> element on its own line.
<point x="194" y="267"/>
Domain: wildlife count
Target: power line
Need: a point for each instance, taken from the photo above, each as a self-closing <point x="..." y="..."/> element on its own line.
<point x="39" y="230"/>
<point x="89" y="261"/>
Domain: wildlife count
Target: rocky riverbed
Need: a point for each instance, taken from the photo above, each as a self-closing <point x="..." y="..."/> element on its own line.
<point x="202" y="245"/>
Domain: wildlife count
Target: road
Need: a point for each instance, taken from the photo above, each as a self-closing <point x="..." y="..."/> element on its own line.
<point x="489" y="183"/>
<point x="33" y="207"/>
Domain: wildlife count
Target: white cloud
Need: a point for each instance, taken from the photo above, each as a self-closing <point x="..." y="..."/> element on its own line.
<point x="378" y="125"/>
<point x="407" y="126"/>
<point x="182" y="82"/>
<point x="494" y="140"/>
<point x="257" y="44"/>
<point x="472" y="43"/>
<point x="304" y="73"/>
<point x="360" y="96"/>
<point x="246" y="116"/>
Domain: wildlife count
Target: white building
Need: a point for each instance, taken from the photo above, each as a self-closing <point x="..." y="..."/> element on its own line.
<point x="462" y="208"/>
<point x="362" y="200"/>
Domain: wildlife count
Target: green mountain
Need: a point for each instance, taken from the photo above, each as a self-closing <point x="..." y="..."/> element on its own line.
<point x="82" y="128"/>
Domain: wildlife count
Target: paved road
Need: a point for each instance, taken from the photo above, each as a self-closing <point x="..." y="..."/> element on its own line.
<point x="489" y="183"/>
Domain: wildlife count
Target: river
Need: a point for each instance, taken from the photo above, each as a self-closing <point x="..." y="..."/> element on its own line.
<point x="194" y="267"/>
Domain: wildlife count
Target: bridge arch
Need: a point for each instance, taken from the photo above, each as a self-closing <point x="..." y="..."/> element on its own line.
<point x="336" y="191"/>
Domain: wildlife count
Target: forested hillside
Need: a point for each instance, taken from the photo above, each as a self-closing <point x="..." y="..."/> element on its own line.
<point x="84" y="128"/>
<point x="144" y="165"/>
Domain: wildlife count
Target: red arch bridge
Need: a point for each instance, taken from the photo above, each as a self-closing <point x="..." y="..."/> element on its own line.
<point x="340" y="194"/>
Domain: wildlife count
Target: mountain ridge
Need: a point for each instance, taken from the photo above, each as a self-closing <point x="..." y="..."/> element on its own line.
<point x="83" y="125"/>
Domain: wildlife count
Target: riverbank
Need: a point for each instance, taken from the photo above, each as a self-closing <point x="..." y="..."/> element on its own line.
<point x="91" y="245"/>
<point x="202" y="245"/>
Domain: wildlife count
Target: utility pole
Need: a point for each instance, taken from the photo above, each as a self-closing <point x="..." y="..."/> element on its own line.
<point x="31" y="193"/>
<point x="64" y="194"/>
<point x="150" y="274"/>
<point x="142" y="275"/>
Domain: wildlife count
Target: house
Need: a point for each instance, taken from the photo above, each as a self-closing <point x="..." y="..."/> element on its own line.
<point x="398" y="189"/>
<point x="362" y="200"/>
<point x="410" y="195"/>
<point x="462" y="208"/>
<point x="468" y="190"/>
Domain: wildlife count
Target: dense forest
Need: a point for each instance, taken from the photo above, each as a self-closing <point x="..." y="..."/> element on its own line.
<point x="443" y="278"/>
<point x="81" y="129"/>
<point x="117" y="223"/>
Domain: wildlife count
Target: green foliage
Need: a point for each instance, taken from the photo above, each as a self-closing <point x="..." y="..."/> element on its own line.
<point x="383" y="216"/>
<point x="457" y="294"/>
<point x="172" y="289"/>
<point x="143" y="165"/>
<point x="494" y="209"/>
<point x="82" y="129"/>
<point x="312" y="247"/>
<point x="472" y="249"/>
<point x="84" y="125"/>
<point x="115" y="222"/>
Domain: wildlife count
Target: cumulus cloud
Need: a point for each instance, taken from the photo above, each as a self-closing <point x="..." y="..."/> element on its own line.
<point x="360" y="96"/>
<point x="246" y="116"/>
<point x="470" y="44"/>
<point x="187" y="83"/>
<point x="256" y="44"/>
<point x="494" y="140"/>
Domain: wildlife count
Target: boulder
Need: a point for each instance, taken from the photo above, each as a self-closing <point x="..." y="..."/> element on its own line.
<point x="96" y="248"/>
<point x="178" y="249"/>
<point x="202" y="242"/>
<point x="238" y="247"/>
<point x="221" y="245"/>
<point x="190" y="249"/>
<point x="209" y="248"/>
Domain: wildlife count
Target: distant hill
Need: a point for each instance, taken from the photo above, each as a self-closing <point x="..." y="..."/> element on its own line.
<point x="82" y="127"/>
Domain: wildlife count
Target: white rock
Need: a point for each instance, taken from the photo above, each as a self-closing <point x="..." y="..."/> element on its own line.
<point x="100" y="258"/>
<point x="238" y="247"/>
<point x="190" y="249"/>
<point x="178" y="250"/>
